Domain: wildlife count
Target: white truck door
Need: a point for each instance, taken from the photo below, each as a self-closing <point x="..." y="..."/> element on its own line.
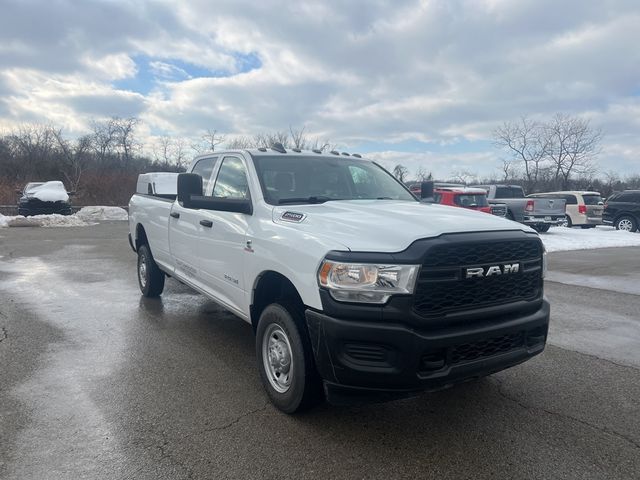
<point x="185" y="229"/>
<point x="222" y="244"/>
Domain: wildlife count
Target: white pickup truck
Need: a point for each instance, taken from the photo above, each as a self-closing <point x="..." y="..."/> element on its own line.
<point x="355" y="289"/>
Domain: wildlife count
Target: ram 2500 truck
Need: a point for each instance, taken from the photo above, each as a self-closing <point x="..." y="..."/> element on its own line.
<point x="354" y="288"/>
<point x="539" y="213"/>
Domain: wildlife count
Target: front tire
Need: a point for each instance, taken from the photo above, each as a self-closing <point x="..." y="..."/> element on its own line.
<point x="150" y="277"/>
<point x="626" y="223"/>
<point x="285" y="359"/>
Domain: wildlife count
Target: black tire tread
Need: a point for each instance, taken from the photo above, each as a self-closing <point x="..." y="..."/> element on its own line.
<point x="155" y="276"/>
<point x="312" y="392"/>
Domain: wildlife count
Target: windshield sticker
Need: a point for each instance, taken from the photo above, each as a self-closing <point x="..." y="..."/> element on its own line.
<point x="293" y="217"/>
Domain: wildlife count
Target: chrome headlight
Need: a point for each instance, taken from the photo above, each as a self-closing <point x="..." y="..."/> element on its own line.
<point x="366" y="282"/>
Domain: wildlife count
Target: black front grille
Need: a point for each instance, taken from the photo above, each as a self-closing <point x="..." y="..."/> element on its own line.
<point x="467" y="352"/>
<point x="443" y="288"/>
<point x="470" y="254"/>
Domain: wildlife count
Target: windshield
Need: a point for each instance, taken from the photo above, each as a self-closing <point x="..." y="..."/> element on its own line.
<point x="592" y="199"/>
<point x="471" y="200"/>
<point x="29" y="187"/>
<point x="310" y="179"/>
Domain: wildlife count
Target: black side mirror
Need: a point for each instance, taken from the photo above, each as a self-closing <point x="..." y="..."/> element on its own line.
<point x="188" y="184"/>
<point x="426" y="190"/>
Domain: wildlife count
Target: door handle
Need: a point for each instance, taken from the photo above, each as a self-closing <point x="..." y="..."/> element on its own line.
<point x="174" y="215"/>
<point x="206" y="223"/>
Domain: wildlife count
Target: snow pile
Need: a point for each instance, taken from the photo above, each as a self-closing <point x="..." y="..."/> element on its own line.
<point x="49" y="192"/>
<point x="53" y="220"/>
<point x="102" y="213"/>
<point x="562" y="239"/>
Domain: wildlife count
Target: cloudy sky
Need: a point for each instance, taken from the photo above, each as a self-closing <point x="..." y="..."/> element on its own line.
<point x="412" y="82"/>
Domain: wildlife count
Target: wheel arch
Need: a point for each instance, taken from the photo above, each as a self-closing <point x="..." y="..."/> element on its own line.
<point x="268" y="287"/>
<point x="140" y="237"/>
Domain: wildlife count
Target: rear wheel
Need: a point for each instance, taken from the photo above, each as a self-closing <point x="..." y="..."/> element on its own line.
<point x="285" y="359"/>
<point x="541" y="228"/>
<point x="567" y="222"/>
<point x="626" y="223"/>
<point x="150" y="277"/>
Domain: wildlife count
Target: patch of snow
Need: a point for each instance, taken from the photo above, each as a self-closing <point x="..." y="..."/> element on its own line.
<point x="49" y="192"/>
<point x="53" y="220"/>
<point x="102" y="213"/>
<point x="561" y="239"/>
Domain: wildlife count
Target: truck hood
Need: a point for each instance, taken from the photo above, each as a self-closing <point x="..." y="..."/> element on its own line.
<point x="386" y="225"/>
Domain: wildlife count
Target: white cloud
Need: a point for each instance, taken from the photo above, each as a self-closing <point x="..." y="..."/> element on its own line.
<point x="360" y="71"/>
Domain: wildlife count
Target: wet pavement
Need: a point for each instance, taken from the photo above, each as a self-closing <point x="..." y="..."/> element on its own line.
<point x="98" y="383"/>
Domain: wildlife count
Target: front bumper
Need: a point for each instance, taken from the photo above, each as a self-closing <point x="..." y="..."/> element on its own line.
<point x="369" y="360"/>
<point x="32" y="207"/>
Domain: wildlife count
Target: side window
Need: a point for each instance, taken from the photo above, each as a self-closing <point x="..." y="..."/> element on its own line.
<point x="628" y="197"/>
<point x="571" y="199"/>
<point x="232" y="180"/>
<point x="204" y="168"/>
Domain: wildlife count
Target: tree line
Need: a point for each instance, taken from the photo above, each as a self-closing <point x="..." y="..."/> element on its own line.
<point x="102" y="165"/>
<point x="543" y="156"/>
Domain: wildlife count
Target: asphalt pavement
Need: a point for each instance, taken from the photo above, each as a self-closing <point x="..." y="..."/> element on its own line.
<point x="97" y="382"/>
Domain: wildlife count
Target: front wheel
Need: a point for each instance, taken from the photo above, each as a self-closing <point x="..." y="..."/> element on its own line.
<point x="150" y="277"/>
<point x="626" y="223"/>
<point x="285" y="359"/>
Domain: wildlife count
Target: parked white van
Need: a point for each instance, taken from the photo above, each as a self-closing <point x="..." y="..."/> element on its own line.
<point x="584" y="209"/>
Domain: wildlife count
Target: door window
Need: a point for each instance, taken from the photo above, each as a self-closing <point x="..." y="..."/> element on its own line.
<point x="571" y="199"/>
<point x="628" y="197"/>
<point x="232" y="180"/>
<point x="204" y="168"/>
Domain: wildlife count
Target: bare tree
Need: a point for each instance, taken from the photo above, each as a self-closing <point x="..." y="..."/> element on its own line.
<point x="126" y="141"/>
<point x="400" y="172"/>
<point x="212" y="139"/>
<point x="528" y="143"/>
<point x="508" y="170"/>
<point x="170" y="152"/>
<point x="104" y="139"/>
<point x="422" y="175"/>
<point x="74" y="158"/>
<point x="464" y="177"/>
<point x="572" y="146"/>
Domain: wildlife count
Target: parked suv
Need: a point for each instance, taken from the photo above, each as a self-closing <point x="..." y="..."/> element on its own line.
<point x="584" y="209"/>
<point x="622" y="210"/>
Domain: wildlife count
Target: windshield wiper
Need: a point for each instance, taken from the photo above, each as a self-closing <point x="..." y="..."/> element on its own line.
<point x="318" y="199"/>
